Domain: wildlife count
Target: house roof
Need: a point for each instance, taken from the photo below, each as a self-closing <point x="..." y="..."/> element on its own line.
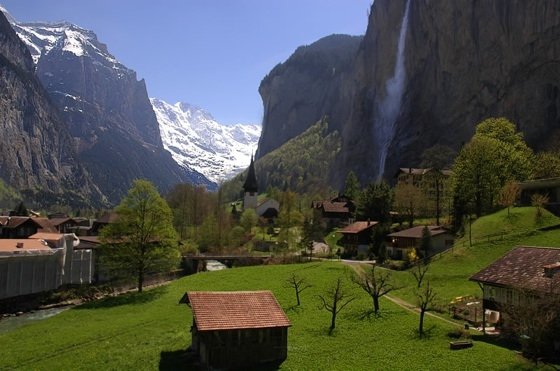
<point x="419" y="171"/>
<point x="540" y="183"/>
<point x="58" y="221"/>
<point x="521" y="268"/>
<point x="228" y="310"/>
<point x="416" y="232"/>
<point x="357" y="227"/>
<point x="47" y="236"/>
<point x="26" y="246"/>
<point x="335" y="207"/>
<point x="16" y="221"/>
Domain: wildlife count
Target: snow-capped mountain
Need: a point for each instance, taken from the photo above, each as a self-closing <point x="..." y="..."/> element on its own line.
<point x="41" y="38"/>
<point x="105" y="107"/>
<point x="197" y="141"/>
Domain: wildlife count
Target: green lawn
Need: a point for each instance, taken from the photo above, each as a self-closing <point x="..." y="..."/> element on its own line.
<point x="449" y="274"/>
<point x="150" y="330"/>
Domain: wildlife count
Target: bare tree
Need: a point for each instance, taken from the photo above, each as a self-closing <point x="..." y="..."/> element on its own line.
<point x="334" y="300"/>
<point x="419" y="270"/>
<point x="535" y="320"/>
<point x="298" y="284"/>
<point x="376" y="284"/>
<point x="425" y="298"/>
<point x="538" y="201"/>
<point x="509" y="194"/>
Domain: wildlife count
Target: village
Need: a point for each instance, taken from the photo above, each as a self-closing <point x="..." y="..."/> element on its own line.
<point x="406" y="254"/>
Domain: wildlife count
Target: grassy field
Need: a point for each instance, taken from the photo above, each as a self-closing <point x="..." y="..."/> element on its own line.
<point x="449" y="274"/>
<point x="151" y="330"/>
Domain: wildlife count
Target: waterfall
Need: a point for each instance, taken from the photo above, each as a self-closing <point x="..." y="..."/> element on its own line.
<point x="390" y="106"/>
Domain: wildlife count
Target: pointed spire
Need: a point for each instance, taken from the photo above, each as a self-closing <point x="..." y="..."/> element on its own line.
<point x="251" y="180"/>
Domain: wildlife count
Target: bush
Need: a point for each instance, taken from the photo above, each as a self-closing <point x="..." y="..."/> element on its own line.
<point x="459" y="333"/>
<point x="397" y="265"/>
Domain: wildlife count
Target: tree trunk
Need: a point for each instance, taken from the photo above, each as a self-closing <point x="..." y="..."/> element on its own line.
<point x="376" y="304"/>
<point x="437" y="200"/>
<point x="333" y="321"/>
<point x="297" y="296"/>
<point x="140" y="279"/>
<point x="421" y="324"/>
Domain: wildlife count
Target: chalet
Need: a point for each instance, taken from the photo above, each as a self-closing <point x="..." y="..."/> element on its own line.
<point x="356" y="237"/>
<point x="336" y="211"/>
<point x="522" y="271"/>
<point x="398" y="243"/>
<point x="23" y="226"/>
<point x="237" y="329"/>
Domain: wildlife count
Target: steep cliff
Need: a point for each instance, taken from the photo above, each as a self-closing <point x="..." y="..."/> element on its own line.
<point x="305" y="88"/>
<point x="464" y="61"/>
<point x="37" y="152"/>
<point x="106" y="108"/>
<point x="426" y="73"/>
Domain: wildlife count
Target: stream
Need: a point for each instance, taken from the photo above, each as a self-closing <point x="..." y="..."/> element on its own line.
<point x="8" y="324"/>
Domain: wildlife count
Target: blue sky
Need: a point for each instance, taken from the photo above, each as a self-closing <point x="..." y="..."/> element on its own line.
<point x="211" y="53"/>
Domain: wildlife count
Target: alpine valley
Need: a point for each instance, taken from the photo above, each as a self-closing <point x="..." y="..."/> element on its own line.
<point x="101" y="127"/>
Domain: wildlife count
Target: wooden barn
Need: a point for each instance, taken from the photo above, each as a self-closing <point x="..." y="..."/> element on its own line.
<point x="237" y="329"/>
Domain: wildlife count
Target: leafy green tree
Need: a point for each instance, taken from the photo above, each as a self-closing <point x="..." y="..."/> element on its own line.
<point x="408" y="200"/>
<point x="237" y="236"/>
<point x="142" y="240"/>
<point x="352" y="186"/>
<point x="20" y="210"/>
<point x="437" y="157"/>
<point x="375" y="202"/>
<point x="378" y="246"/>
<point x="249" y="219"/>
<point x="495" y="155"/>
<point x="547" y="165"/>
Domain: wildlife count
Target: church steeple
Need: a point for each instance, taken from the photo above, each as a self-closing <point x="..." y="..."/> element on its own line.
<point x="251" y="180"/>
<point x="250" y="188"/>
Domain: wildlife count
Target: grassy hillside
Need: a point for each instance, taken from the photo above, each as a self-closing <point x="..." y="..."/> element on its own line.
<point x="151" y="330"/>
<point x="493" y="236"/>
<point x="302" y="164"/>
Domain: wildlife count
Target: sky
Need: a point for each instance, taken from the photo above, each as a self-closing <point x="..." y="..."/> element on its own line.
<point x="210" y="53"/>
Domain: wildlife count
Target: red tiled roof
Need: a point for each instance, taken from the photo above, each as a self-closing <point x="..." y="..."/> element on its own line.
<point x="521" y="268"/>
<point x="416" y="232"/>
<point x="58" y="221"/>
<point x="45" y="224"/>
<point x="223" y="310"/>
<point x="11" y="245"/>
<point x="47" y="236"/>
<point x="13" y="221"/>
<point x="357" y="227"/>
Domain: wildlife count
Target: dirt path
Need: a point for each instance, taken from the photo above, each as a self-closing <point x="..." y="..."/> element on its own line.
<point x="358" y="268"/>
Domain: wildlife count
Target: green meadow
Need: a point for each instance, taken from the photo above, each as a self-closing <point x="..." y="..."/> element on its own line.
<point x="151" y="330"/>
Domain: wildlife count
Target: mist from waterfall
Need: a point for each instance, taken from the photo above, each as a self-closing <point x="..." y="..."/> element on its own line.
<point x="384" y="126"/>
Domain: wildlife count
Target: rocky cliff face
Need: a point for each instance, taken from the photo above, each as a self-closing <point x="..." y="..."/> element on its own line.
<point x="462" y="61"/>
<point x="106" y="108"/>
<point x="305" y="88"/>
<point x="37" y="152"/>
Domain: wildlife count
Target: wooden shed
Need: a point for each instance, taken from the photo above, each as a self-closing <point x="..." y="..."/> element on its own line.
<point x="237" y="329"/>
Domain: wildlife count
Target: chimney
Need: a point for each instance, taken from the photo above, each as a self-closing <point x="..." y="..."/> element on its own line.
<point x="19" y="245"/>
<point x="551" y="269"/>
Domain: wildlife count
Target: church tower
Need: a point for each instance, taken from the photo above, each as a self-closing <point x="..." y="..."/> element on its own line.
<point x="250" y="188"/>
